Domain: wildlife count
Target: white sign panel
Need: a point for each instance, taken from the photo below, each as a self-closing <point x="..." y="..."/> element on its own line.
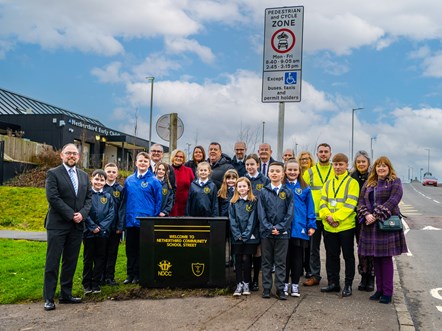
<point x="282" y="65"/>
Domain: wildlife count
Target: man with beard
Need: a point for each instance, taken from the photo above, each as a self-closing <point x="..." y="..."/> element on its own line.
<point x="316" y="177"/>
<point x="70" y="199"/>
<point x="239" y="160"/>
<point x="219" y="163"/>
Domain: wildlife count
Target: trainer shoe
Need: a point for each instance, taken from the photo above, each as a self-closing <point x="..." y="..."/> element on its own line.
<point x="255" y="286"/>
<point x="286" y="288"/>
<point x="239" y="289"/>
<point x="245" y="288"/>
<point x="96" y="289"/>
<point x="295" y="290"/>
<point x="87" y="290"/>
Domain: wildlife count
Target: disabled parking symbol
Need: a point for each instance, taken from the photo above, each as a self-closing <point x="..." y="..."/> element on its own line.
<point x="290" y="78"/>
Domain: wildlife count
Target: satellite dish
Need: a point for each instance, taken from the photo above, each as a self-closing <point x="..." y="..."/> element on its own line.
<point x="163" y="127"/>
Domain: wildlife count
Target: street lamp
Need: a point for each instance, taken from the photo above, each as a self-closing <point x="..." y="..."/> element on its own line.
<point x="371" y="147"/>
<point x="353" y="130"/>
<point x="422" y="169"/>
<point x="152" y="79"/>
<point x="427" y="149"/>
<point x="263" y="129"/>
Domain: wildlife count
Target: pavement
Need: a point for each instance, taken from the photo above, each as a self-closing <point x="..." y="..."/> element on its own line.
<point x="312" y="311"/>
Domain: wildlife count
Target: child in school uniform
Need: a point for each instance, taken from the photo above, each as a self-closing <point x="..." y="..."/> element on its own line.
<point x="245" y="233"/>
<point x="202" y="200"/>
<point x="116" y="229"/>
<point x="225" y="194"/>
<point x="96" y="233"/>
<point x="275" y="213"/>
<point x="258" y="181"/>
<point x="167" y="192"/>
<point x="303" y="225"/>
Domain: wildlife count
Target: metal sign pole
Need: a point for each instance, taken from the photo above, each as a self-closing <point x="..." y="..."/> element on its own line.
<point x="281" y="130"/>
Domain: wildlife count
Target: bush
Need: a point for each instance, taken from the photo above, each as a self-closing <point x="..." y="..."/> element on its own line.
<point x="47" y="158"/>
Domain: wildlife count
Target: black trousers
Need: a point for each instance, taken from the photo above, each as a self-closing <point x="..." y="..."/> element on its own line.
<point x="294" y="262"/>
<point x="243" y="268"/>
<point x="334" y="243"/>
<point x="93" y="260"/>
<point x="112" y="244"/>
<point x="315" y="248"/>
<point x="133" y="252"/>
<point x="62" y="245"/>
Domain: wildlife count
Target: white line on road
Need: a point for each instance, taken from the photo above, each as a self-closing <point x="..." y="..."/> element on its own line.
<point x="436" y="201"/>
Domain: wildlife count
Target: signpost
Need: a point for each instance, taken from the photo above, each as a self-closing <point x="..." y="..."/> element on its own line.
<point x="282" y="66"/>
<point x="282" y="63"/>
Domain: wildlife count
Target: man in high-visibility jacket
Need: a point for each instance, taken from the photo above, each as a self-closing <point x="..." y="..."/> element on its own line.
<point x="316" y="177"/>
<point x="337" y="210"/>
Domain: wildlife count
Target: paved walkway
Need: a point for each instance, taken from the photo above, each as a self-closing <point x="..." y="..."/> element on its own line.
<point x="312" y="311"/>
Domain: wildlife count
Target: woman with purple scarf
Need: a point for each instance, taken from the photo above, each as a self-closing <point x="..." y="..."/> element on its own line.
<point x="379" y="199"/>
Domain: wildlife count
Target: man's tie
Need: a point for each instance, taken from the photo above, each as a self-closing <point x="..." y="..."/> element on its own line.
<point x="264" y="169"/>
<point x="74" y="180"/>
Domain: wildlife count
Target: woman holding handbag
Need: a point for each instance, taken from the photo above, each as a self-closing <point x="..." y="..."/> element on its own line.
<point x="378" y="201"/>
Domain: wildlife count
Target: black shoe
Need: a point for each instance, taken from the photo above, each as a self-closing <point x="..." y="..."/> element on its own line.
<point x="49" y="305"/>
<point x="331" y="288"/>
<point x="87" y="290"/>
<point x="346" y="292"/>
<point x="96" y="289"/>
<point x="363" y="284"/>
<point x="266" y="294"/>
<point x="385" y="299"/>
<point x="135" y="280"/>
<point x="69" y="299"/>
<point x="255" y="287"/>
<point x="376" y="296"/>
<point x="370" y="284"/>
<point x="111" y="282"/>
<point x="281" y="295"/>
<point x="128" y="280"/>
<point x="308" y="275"/>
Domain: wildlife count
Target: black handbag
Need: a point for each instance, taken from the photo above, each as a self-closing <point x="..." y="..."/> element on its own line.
<point x="394" y="223"/>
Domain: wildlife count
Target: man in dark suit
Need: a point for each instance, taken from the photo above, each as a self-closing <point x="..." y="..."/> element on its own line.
<point x="265" y="156"/>
<point x="69" y="197"/>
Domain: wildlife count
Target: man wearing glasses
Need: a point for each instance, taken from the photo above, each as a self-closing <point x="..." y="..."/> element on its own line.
<point x="156" y="156"/>
<point x="239" y="160"/>
<point x="69" y="197"/>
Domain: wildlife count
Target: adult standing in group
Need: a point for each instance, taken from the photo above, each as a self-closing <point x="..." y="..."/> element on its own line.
<point x="379" y="199"/>
<point x="219" y="163"/>
<point x="316" y="177"/>
<point x="337" y="211"/>
<point x="287" y="155"/>
<point x="239" y="160"/>
<point x="305" y="160"/>
<point x="361" y="169"/>
<point x="69" y="196"/>
<point x="184" y="177"/>
<point x="198" y="155"/>
<point x="156" y="156"/>
<point x="265" y="156"/>
<point x="141" y="197"/>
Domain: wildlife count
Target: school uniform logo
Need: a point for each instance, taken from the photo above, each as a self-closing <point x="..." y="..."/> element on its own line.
<point x="206" y="190"/>
<point x="282" y="195"/>
<point x="164" y="191"/>
<point x="259" y="187"/>
<point x="143" y="184"/>
<point x="197" y="269"/>
<point x="165" y="268"/>
<point x="248" y="208"/>
<point x="298" y="191"/>
<point x="116" y="194"/>
<point x="103" y="200"/>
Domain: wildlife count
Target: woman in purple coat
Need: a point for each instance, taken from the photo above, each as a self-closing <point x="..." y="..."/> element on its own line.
<point x="379" y="199"/>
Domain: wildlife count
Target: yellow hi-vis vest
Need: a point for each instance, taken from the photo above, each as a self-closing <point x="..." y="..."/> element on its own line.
<point x="316" y="177"/>
<point x="339" y="199"/>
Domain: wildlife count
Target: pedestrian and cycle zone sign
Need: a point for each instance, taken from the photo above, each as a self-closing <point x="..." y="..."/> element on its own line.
<point x="282" y="64"/>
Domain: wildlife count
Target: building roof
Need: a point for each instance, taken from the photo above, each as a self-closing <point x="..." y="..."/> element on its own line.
<point x="15" y="104"/>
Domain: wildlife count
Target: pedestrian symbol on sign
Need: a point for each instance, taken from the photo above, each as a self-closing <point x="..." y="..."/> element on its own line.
<point x="290" y="78"/>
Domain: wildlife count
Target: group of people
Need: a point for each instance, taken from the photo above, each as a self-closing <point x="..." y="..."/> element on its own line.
<point x="278" y="214"/>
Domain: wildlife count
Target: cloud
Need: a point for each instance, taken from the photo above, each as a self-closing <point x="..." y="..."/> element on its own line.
<point x="182" y="45"/>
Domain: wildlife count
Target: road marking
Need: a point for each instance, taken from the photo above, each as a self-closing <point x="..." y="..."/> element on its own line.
<point x="436" y="201"/>
<point x="406" y="229"/>
<point x="429" y="227"/>
<point x="435" y="294"/>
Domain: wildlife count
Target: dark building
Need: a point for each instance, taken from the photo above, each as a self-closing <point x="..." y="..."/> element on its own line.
<point x="44" y="123"/>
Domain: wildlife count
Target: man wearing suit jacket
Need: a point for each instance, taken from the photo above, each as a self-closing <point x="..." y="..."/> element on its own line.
<point x="69" y="197"/>
<point x="265" y="156"/>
